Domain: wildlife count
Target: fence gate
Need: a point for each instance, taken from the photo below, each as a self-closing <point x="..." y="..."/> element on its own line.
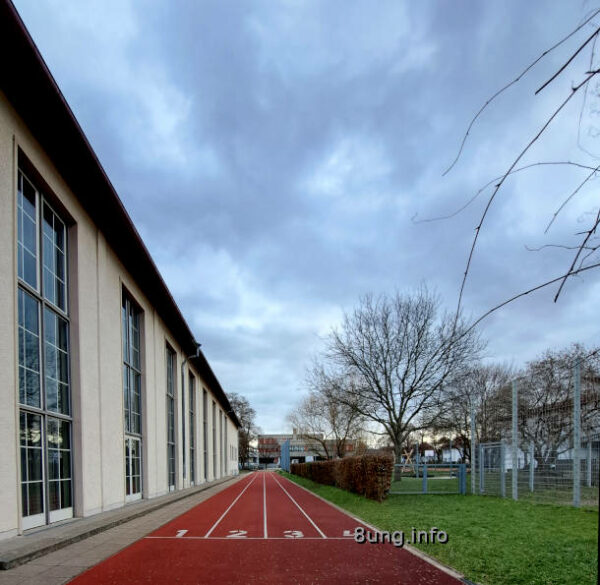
<point x="491" y="467"/>
<point x="426" y="478"/>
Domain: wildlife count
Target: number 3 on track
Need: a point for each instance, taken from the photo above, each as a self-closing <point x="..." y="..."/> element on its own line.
<point x="293" y="534"/>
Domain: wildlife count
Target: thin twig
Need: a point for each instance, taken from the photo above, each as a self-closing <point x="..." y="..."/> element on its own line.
<point x="566" y="201"/>
<point x="527" y="292"/>
<point x="495" y="180"/>
<point x="569" y="60"/>
<point x="584" y="102"/>
<point x="510" y="169"/>
<point x="585" y="241"/>
<point x="513" y="82"/>
<point x="570" y="248"/>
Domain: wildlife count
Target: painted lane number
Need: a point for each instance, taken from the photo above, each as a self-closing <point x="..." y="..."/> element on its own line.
<point x="237" y="534"/>
<point x="293" y="534"/>
<point x="180" y="533"/>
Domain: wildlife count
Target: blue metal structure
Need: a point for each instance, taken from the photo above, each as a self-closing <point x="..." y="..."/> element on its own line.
<point x="284" y="460"/>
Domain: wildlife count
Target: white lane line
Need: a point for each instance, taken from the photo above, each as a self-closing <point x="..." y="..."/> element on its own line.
<point x="299" y="508"/>
<point x="266" y="535"/>
<point x="231" y="506"/>
<point x="286" y="538"/>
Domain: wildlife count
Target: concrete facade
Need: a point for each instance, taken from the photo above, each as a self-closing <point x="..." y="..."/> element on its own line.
<point x="97" y="281"/>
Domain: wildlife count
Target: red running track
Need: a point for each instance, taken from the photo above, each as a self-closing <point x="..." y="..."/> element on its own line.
<point x="262" y="530"/>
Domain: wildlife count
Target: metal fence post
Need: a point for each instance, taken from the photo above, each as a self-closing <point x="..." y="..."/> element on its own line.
<point x="417" y="459"/>
<point x="462" y="478"/>
<point x="481" y="470"/>
<point x="531" y="465"/>
<point x="515" y="442"/>
<point x="503" y="469"/>
<point x="425" y="478"/>
<point x="577" y="436"/>
<point x="473" y="449"/>
<point x="589" y="462"/>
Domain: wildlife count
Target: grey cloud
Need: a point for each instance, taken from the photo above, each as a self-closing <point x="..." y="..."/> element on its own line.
<point x="272" y="156"/>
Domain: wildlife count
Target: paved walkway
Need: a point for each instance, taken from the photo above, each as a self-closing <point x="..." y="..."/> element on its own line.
<point x="62" y="552"/>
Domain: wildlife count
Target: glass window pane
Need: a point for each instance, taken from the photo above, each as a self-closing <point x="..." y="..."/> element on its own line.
<point x="32" y="388"/>
<point x="48" y="223"/>
<point x="63" y="367"/>
<point x="34" y="430"/>
<point x="36" y="505"/>
<point x="60" y="265"/>
<point x="27" y="232"/>
<point x="28" y="197"/>
<point x="65" y="494"/>
<point x="56" y="362"/>
<point x="59" y="231"/>
<point x="124" y="332"/>
<point x="49" y="327"/>
<point x="53" y="464"/>
<point x="62" y="341"/>
<point x="60" y="293"/>
<point x="48" y="254"/>
<point x="51" y="359"/>
<point x="34" y="464"/>
<point x="49" y="285"/>
<point x="53" y="244"/>
<point x="23" y="427"/>
<point x="51" y="394"/>
<point x="29" y="269"/>
<point x="32" y="351"/>
<point x="52" y="433"/>
<point x="65" y="435"/>
<point x="24" y="500"/>
<point x="23" y="464"/>
<point x="65" y="465"/>
<point x="30" y="308"/>
<point x="64" y="406"/>
<point x="54" y="495"/>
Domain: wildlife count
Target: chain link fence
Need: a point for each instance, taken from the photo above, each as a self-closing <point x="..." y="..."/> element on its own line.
<point x="539" y="438"/>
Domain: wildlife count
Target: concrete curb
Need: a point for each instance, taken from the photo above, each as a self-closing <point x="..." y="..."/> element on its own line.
<point x="19" y="550"/>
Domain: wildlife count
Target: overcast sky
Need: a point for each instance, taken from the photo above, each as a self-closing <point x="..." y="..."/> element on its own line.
<point x="274" y="155"/>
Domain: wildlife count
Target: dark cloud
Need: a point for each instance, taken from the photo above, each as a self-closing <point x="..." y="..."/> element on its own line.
<point x="273" y="156"/>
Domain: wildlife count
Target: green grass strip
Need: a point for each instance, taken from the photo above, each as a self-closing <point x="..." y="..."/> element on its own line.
<point x="492" y="541"/>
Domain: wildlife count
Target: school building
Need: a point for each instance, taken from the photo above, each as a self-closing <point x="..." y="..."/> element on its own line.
<point x="106" y="397"/>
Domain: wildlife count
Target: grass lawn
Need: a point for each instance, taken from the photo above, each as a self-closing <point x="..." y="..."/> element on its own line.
<point x="440" y="485"/>
<point x="492" y="541"/>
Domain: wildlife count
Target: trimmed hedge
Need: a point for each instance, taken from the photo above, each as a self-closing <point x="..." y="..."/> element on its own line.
<point x="367" y="475"/>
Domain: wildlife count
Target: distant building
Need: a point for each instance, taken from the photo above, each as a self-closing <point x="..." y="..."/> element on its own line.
<point x="301" y="449"/>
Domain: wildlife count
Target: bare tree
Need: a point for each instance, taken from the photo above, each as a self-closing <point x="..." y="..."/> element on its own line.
<point x="323" y="417"/>
<point x="247" y="416"/>
<point x="475" y="388"/>
<point x="546" y="400"/>
<point x="402" y="352"/>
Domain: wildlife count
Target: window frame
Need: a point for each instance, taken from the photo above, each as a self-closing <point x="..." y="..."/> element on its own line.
<point x="44" y="305"/>
<point x="171" y="415"/>
<point x="192" y="421"/>
<point x="130" y="307"/>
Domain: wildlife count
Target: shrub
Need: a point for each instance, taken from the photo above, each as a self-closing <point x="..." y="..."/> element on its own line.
<point x="367" y="475"/>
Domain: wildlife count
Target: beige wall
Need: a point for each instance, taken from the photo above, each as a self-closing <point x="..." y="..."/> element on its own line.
<point x="8" y="338"/>
<point x="96" y="280"/>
